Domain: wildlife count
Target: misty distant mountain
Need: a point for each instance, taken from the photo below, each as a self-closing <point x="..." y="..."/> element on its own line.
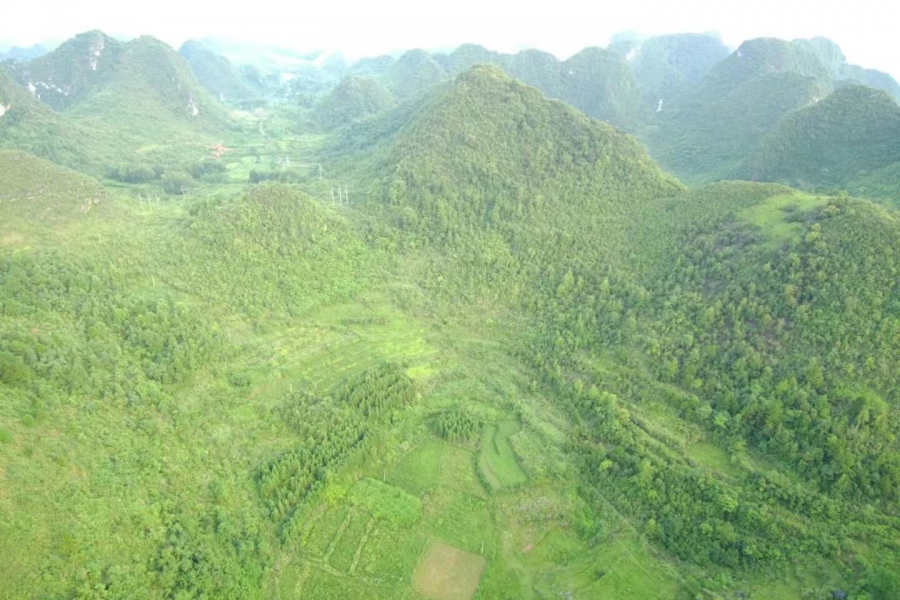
<point x="666" y="66"/>
<point x="96" y="75"/>
<point x="216" y="72"/>
<point x="23" y="54"/>
<point x="709" y="130"/>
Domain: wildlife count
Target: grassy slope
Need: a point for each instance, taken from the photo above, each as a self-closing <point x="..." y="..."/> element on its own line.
<point x="42" y="199"/>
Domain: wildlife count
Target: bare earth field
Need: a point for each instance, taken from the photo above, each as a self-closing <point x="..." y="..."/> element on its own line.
<point x="446" y="573"/>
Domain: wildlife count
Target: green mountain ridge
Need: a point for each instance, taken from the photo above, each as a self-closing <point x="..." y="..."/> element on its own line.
<point x="67" y="75"/>
<point x="354" y="98"/>
<point x="852" y="131"/>
<point x="17" y="53"/>
<point x="142" y="106"/>
<point x="711" y="130"/>
<point x="95" y="75"/>
<point x="708" y="132"/>
<point x="596" y="81"/>
<point x="414" y="72"/>
<point x="665" y="66"/>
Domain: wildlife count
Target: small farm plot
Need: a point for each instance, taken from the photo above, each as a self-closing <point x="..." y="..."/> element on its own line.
<point x="390" y="554"/>
<point x="447" y="573"/>
<point x="324" y="531"/>
<point x="496" y="460"/>
<point x="344" y="549"/>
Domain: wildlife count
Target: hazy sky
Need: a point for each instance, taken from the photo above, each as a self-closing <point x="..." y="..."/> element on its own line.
<point x="865" y="29"/>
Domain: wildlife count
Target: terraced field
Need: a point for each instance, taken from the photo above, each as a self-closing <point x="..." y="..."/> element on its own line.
<point x="497" y="461"/>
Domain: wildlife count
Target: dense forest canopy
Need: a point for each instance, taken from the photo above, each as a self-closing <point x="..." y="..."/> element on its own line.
<point x="438" y="326"/>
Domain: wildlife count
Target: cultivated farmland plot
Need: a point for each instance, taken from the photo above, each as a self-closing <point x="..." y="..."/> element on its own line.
<point x="447" y="573"/>
<point x="497" y="460"/>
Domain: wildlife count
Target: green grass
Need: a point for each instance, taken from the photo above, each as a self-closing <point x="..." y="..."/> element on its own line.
<point x="713" y="457"/>
<point x="458" y="470"/>
<point x="386" y="502"/>
<point x="324" y="531"/>
<point x="351" y="536"/>
<point x="351" y="346"/>
<point x="461" y="520"/>
<point x="496" y="460"/>
<point x="419" y="471"/>
<point x="781" y="217"/>
<point x="323" y="585"/>
<point x="390" y="554"/>
<point x="628" y="571"/>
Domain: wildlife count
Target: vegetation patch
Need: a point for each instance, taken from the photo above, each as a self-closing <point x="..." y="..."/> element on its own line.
<point x="461" y="519"/>
<point x="712" y="456"/>
<point x="390" y="554"/>
<point x="455" y="424"/>
<point x="419" y="471"/>
<point x="320" y="538"/>
<point x="386" y="502"/>
<point x="350" y="537"/>
<point x="782" y="217"/>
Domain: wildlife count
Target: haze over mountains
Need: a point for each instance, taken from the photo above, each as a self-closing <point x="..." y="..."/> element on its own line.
<point x="701" y="109"/>
<point x="449" y="326"/>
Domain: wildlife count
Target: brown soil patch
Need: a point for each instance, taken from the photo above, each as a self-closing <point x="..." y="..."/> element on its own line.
<point x="447" y="573"/>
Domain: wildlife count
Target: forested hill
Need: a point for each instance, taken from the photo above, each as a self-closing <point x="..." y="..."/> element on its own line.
<point x="854" y="131"/>
<point x="104" y="107"/>
<point x="709" y="131"/>
<point x="596" y="81"/>
<point x="97" y="76"/>
<point x="486" y="153"/>
<point x="752" y="311"/>
<point x="356" y="97"/>
<point x="28" y="125"/>
<point x="414" y="73"/>
<point x="792" y="302"/>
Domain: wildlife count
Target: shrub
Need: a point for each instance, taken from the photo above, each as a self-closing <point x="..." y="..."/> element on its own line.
<point x="176" y="182"/>
<point x="456" y="424"/>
